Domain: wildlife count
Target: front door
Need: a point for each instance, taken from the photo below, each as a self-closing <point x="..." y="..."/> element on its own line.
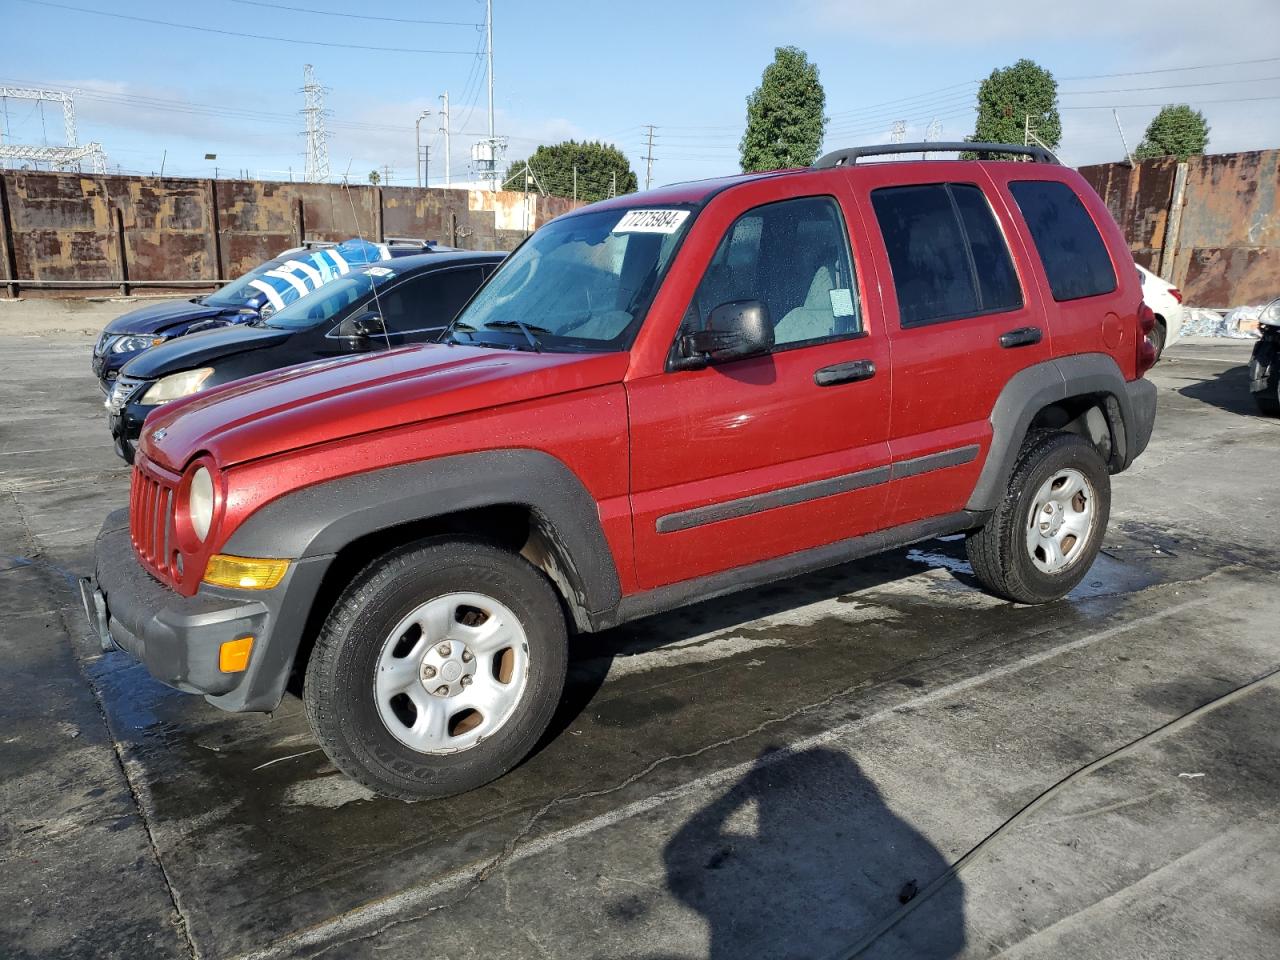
<point x="764" y="456"/>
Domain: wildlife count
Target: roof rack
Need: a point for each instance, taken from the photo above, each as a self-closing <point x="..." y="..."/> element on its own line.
<point x="850" y="155"/>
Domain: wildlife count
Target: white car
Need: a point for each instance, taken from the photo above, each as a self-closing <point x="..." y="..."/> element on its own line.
<point x="1166" y="300"/>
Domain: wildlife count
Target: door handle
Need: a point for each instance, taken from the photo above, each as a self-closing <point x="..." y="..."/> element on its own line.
<point x="849" y="372"/>
<point x="1022" y="337"/>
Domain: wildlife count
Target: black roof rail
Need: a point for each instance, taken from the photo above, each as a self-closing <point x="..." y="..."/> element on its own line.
<point x="851" y="155"/>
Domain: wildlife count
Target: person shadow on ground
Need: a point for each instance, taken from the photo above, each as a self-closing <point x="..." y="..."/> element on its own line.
<point x="803" y="858"/>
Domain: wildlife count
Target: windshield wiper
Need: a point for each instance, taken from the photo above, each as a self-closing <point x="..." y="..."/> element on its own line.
<point x="527" y="329"/>
<point x="459" y="327"/>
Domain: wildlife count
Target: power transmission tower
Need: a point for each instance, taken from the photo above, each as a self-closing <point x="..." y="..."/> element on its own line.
<point x="66" y="157"/>
<point x="386" y="174"/>
<point x="932" y="134"/>
<point x="648" y="160"/>
<point x="317" y="140"/>
<point x="899" y="131"/>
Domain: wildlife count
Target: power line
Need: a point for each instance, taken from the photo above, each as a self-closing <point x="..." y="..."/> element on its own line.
<point x="357" y="16"/>
<point x="234" y="33"/>
<point x="1167" y="86"/>
<point x="1204" y="66"/>
<point x="1165" y="103"/>
<point x="903" y="100"/>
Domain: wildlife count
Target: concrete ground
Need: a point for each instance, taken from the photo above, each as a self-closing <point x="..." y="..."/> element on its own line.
<point x="788" y="773"/>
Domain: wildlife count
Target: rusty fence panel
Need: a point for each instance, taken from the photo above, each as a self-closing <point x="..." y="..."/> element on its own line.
<point x="68" y="234"/>
<point x="1210" y="226"/>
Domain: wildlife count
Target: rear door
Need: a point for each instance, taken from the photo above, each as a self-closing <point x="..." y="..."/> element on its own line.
<point x="962" y="319"/>
<point x="764" y="456"/>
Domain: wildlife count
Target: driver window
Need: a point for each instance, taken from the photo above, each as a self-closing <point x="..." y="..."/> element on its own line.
<point x="428" y="301"/>
<point x="794" y="256"/>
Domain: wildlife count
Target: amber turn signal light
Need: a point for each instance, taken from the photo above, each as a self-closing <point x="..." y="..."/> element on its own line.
<point x="244" y="573"/>
<point x="233" y="656"/>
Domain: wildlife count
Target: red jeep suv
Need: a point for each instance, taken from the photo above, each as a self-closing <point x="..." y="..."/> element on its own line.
<point x="660" y="398"/>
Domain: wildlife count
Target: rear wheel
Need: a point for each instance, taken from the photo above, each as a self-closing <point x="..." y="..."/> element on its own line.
<point x="1159" y="334"/>
<point x="1046" y="532"/>
<point x="438" y="669"/>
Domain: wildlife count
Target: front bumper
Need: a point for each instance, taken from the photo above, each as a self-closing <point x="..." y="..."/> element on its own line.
<point x="177" y="638"/>
<point x="126" y="427"/>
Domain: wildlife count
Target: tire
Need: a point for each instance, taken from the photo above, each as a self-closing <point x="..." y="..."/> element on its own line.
<point x="365" y="652"/>
<point x="1264" y="375"/>
<point x="1009" y="555"/>
<point x="1159" y="334"/>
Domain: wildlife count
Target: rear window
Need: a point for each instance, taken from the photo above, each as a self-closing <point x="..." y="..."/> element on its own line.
<point x="948" y="256"/>
<point x="1072" y="251"/>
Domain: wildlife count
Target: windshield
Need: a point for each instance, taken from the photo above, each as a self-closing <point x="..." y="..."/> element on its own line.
<point x="238" y="292"/>
<point x="582" y="282"/>
<point x="329" y="300"/>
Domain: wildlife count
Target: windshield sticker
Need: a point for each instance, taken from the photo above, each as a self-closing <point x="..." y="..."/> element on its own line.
<point x="380" y="272"/>
<point x="651" y="221"/>
<point x="842" y="302"/>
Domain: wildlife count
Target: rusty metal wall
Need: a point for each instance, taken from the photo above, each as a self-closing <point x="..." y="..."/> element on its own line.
<point x="83" y="235"/>
<point x="1224" y="248"/>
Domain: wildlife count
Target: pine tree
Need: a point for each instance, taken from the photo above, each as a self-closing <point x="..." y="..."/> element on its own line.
<point x="785" y="120"/>
<point x="1176" y="131"/>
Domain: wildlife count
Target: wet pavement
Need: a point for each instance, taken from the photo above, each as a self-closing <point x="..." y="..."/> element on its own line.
<point x="795" y="772"/>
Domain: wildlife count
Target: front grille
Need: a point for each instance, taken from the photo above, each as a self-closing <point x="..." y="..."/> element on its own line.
<point x="151" y="499"/>
<point x="121" y="391"/>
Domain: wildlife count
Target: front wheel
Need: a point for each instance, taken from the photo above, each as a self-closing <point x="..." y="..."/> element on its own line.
<point x="438" y="670"/>
<point x="1046" y="532"/>
<point x="1264" y="374"/>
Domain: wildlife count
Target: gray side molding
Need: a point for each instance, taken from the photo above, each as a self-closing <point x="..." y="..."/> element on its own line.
<point x="1034" y="388"/>
<point x="324" y="518"/>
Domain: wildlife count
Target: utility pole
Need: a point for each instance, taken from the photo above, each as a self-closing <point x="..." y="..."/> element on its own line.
<point x="444" y="112"/>
<point x="1123" y="141"/>
<point x="417" y="136"/>
<point x="386" y="174"/>
<point x="426" y="165"/>
<point x="1026" y="131"/>
<point x="648" y="160"/>
<point x="488" y="25"/>
<point x="575" y="183"/>
<point x="613" y="190"/>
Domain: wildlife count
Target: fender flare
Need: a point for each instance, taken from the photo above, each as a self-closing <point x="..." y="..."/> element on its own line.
<point x="320" y="520"/>
<point x="1029" y="391"/>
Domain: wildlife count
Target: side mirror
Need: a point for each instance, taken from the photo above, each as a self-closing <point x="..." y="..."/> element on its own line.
<point x="361" y="327"/>
<point x="734" y="330"/>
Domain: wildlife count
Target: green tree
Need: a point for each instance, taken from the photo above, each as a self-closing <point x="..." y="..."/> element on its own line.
<point x="1016" y="99"/>
<point x="375" y="177"/>
<point x="785" y="119"/>
<point x="1176" y="131"/>
<point x="602" y="170"/>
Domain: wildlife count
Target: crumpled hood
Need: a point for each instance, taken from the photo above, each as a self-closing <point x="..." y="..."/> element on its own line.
<point x="160" y="317"/>
<point x="200" y="348"/>
<point x="328" y="400"/>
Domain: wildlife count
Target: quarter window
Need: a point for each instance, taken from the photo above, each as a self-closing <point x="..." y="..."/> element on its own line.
<point x="948" y="256"/>
<point x="794" y="256"/>
<point x="1072" y="251"/>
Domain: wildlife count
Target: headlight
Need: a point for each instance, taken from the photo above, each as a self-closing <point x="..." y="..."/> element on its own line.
<point x="1270" y="314"/>
<point x="176" y="385"/>
<point x="265" y="311"/>
<point x="132" y="344"/>
<point x="200" y="502"/>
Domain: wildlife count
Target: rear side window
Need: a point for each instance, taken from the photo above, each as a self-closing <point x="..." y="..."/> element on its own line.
<point x="948" y="256"/>
<point x="1074" y="255"/>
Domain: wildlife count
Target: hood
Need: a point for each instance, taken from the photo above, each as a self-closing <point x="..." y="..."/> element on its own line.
<point x="198" y="349"/>
<point x="328" y="400"/>
<point x="159" y="317"/>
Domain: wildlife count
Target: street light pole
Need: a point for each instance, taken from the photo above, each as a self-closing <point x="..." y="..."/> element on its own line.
<point x="417" y="132"/>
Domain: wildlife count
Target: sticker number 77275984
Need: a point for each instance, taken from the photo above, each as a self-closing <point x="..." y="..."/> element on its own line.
<point x="651" y="221"/>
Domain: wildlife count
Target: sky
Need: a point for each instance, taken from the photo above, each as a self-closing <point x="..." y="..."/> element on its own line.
<point x="154" y="93"/>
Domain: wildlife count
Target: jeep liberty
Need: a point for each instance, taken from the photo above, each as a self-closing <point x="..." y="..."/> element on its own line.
<point x="659" y="398"/>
